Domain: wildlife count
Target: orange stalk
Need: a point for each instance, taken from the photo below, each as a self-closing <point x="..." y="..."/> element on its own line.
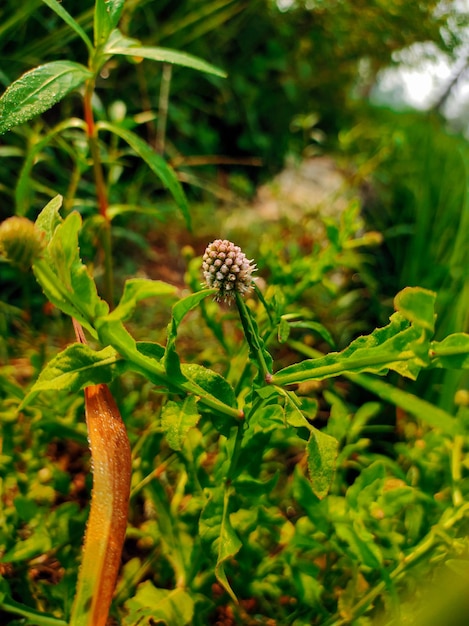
<point x="105" y="532"/>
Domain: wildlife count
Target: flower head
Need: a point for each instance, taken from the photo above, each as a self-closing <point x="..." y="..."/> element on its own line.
<point x="227" y="269"/>
<point x="20" y="242"/>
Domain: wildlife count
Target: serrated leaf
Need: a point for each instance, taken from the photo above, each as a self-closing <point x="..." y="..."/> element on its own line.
<point x="155" y="162"/>
<point x="136" y="289"/>
<point x="38" y="90"/>
<point x="119" y="44"/>
<point x="75" y="368"/>
<point x="322" y="452"/>
<point x="151" y="605"/>
<point x="401" y="346"/>
<point x="177" y="418"/>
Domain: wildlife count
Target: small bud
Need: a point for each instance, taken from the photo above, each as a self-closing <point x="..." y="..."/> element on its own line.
<point x="227" y="269"/>
<point x="20" y="242"/>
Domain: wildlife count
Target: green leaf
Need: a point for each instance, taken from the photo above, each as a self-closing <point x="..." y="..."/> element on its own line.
<point x="102" y="23"/>
<point x="322" y="452"/>
<point x="451" y="353"/>
<point x="115" y="11"/>
<point x="177" y="418"/>
<point x="155" y="162"/>
<point x="38" y="90"/>
<point x="77" y="367"/>
<point x="38" y="543"/>
<point x="402" y="346"/>
<point x="360" y="542"/>
<point x="179" y="310"/>
<point x="151" y="605"/>
<point x="65" y="280"/>
<point x="136" y="289"/>
<point x="119" y="44"/>
<point x="49" y="218"/>
<point x="418" y="306"/>
<point x="215" y="527"/>
<point x="218" y="387"/>
<point x="68" y="19"/>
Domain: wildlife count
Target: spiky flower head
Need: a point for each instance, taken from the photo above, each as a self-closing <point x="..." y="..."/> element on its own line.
<point x="20" y="242"/>
<point x="227" y="269"/>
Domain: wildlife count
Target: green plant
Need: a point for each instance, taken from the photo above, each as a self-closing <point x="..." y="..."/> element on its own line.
<point x="261" y="485"/>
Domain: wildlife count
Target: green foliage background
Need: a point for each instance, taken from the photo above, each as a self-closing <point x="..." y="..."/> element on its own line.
<point x="262" y="548"/>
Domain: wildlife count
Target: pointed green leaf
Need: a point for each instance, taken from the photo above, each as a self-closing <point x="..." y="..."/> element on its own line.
<point x="155" y="162"/>
<point x="102" y="23"/>
<point x="177" y="418"/>
<point x="136" y="289"/>
<point x="68" y="19"/>
<point x="215" y="528"/>
<point x="38" y="90"/>
<point x="115" y="11"/>
<point x="49" y="218"/>
<point x="118" y="44"/>
<point x="322" y="454"/>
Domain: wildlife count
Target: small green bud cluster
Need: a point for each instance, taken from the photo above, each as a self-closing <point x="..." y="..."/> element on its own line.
<point x="227" y="269"/>
<point x="20" y="242"/>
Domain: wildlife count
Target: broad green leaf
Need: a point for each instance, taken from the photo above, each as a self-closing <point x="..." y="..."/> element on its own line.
<point x="216" y="529"/>
<point x="77" y="367"/>
<point x="322" y="452"/>
<point x="151" y="605"/>
<point x="118" y="44"/>
<point x="136" y="289"/>
<point x="218" y="387"/>
<point x="38" y="90"/>
<point x="65" y="280"/>
<point x="451" y="353"/>
<point x="155" y="162"/>
<point x="68" y="19"/>
<point x="177" y="418"/>
<point x="211" y="382"/>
